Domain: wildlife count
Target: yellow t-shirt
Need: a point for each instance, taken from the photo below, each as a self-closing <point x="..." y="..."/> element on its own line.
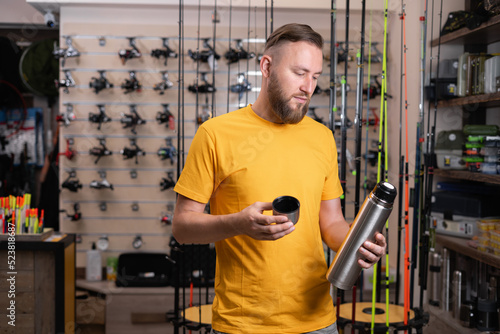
<point x="237" y="159"/>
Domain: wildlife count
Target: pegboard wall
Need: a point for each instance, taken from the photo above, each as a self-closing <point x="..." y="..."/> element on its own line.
<point x="141" y="201"/>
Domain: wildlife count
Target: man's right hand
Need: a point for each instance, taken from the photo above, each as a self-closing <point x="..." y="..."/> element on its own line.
<point x="255" y="224"/>
<point x="192" y="225"/>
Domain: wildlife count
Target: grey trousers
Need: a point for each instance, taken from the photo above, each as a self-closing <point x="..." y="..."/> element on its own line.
<point x="332" y="329"/>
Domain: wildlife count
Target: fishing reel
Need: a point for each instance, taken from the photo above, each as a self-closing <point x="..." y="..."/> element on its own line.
<point x="69" y="52"/>
<point x="77" y="215"/>
<point x="166" y="219"/>
<point x="72" y="184"/>
<point x="204" y="115"/>
<point x="66" y="83"/>
<point x="102" y="184"/>
<point x="100" y="152"/>
<point x="166" y="53"/>
<point x="168" y="152"/>
<point x="235" y="55"/>
<point x="99" y="118"/>
<point x="166" y="116"/>
<point x="204" y="88"/>
<point x="127" y="54"/>
<point x="374" y="90"/>
<point x="132" y="120"/>
<point x="67" y="116"/>
<point x="168" y="182"/>
<point x="241" y="86"/>
<point x="163" y="85"/>
<point x="100" y="83"/>
<point x="69" y="153"/>
<point x="348" y="122"/>
<point x="129" y="153"/>
<point x="205" y="56"/>
<point x="131" y="85"/>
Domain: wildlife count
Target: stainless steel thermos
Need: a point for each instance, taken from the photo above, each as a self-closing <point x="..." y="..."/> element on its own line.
<point x="371" y="218"/>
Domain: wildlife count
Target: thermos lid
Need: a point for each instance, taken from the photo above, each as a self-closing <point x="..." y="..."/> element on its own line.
<point x="385" y="192"/>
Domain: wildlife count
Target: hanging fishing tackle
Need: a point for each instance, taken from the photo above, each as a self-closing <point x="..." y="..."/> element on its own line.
<point x="239" y="53"/>
<point x="127" y="54"/>
<point x="101" y="151"/>
<point x="65" y="83"/>
<point x="76" y="215"/>
<point x="67" y="116"/>
<point x="101" y="184"/>
<point x="100" y="83"/>
<point x="204" y="88"/>
<point x="132" y="120"/>
<point x="241" y="86"/>
<point x="99" y="118"/>
<point x="166" y="53"/>
<point x="72" y="183"/>
<point x="132" y="84"/>
<point x="168" y="152"/>
<point x="168" y="182"/>
<point x="69" y="52"/>
<point x="166" y="116"/>
<point x="134" y="152"/>
<point x="164" y="84"/>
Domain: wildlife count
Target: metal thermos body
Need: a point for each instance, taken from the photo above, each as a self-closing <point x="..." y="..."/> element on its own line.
<point x="434" y="278"/>
<point x="445" y="281"/>
<point x="371" y="218"/>
<point x="457" y="293"/>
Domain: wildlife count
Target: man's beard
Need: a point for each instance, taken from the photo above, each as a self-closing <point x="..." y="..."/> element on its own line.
<point x="281" y="104"/>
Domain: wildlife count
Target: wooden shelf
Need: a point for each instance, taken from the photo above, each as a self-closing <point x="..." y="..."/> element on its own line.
<point x="469" y="176"/>
<point x="459" y="245"/>
<point x="483" y="100"/>
<point x="486" y="33"/>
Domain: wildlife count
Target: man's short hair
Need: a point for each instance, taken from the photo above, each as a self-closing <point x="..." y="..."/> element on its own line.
<point x="294" y="32"/>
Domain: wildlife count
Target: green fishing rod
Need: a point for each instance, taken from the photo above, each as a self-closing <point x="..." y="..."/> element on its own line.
<point x="381" y="170"/>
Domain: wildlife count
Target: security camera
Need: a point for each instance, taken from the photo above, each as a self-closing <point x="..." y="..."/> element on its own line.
<point x="49" y="19"/>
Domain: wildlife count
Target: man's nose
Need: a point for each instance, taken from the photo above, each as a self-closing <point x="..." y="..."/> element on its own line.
<point x="308" y="85"/>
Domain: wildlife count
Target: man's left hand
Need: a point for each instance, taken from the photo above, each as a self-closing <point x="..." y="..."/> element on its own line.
<point x="372" y="251"/>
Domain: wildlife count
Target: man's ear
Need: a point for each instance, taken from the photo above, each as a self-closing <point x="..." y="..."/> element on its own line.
<point x="265" y="65"/>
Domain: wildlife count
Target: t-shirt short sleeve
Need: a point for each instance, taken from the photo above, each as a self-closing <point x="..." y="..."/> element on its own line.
<point x="197" y="178"/>
<point x="332" y="188"/>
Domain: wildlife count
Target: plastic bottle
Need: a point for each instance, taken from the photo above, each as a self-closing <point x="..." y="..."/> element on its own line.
<point x="93" y="271"/>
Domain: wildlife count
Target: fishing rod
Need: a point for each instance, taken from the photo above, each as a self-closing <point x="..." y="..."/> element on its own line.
<point x="179" y="138"/>
<point x="367" y="125"/>
<point x="418" y="187"/>
<point x="181" y="89"/>
<point x="359" y="107"/>
<point x="215" y="20"/>
<point x="197" y="84"/>
<point x="406" y="303"/>
<point x="248" y="48"/>
<point x="229" y="63"/>
<point x="272" y="15"/>
<point x="380" y="167"/>
<point x="357" y="125"/>
<point x="265" y="14"/>
<point x="402" y="157"/>
<point x="429" y="172"/>
<point x="343" y="116"/>
<point x="333" y="67"/>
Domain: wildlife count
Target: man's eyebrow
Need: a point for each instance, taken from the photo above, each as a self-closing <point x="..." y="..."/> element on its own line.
<point x="301" y="68"/>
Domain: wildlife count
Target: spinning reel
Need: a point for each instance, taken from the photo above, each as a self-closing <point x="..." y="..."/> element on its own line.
<point x="99" y="118"/>
<point x="100" y="83"/>
<point x="166" y="53"/>
<point x="132" y="120"/>
<point x="127" y="54"/>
